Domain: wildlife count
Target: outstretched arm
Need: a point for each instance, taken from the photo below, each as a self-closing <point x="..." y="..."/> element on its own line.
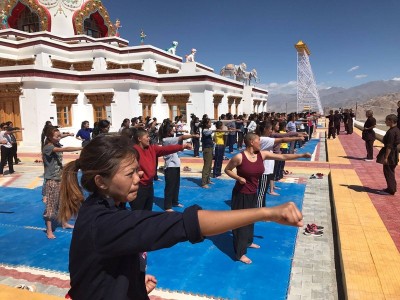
<point x="67" y="149"/>
<point x="216" y="222"/>
<point x="270" y="155"/>
<point x="188" y="136"/>
<point x="288" y="139"/>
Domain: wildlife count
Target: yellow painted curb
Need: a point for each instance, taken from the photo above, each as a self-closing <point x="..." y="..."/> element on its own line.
<point x="370" y="259"/>
<point x="11" y="293"/>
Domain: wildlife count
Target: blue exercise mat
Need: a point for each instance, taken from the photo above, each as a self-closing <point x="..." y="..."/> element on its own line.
<point x="206" y="268"/>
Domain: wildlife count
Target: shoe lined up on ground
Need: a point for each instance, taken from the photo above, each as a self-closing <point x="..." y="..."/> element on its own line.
<point x="313" y="229"/>
<point x="317" y="176"/>
<point x="30" y="288"/>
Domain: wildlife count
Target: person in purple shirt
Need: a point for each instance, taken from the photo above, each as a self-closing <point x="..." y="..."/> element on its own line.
<point x="84" y="133"/>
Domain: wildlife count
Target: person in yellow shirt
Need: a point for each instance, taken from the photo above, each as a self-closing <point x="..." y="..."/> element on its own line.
<point x="219" y="149"/>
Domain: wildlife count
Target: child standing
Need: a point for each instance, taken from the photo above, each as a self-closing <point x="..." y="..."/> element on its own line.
<point x="52" y="160"/>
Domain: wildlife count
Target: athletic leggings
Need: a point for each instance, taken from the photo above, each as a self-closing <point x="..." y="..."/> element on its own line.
<point x="263" y="184"/>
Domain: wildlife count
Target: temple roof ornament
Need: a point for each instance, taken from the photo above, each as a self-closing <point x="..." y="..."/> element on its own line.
<point x="93" y="7"/>
<point x="73" y="12"/>
<point x="142" y="37"/>
<point x="14" y="8"/>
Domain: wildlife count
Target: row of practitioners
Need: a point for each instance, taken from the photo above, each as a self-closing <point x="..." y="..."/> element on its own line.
<point x="112" y="171"/>
<point x="213" y="146"/>
<point x="336" y="118"/>
<point x="388" y="156"/>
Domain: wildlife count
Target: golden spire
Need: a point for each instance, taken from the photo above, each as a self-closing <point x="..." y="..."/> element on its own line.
<point x="301" y="47"/>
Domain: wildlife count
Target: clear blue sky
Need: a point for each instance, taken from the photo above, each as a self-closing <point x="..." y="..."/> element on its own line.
<point x="351" y="42"/>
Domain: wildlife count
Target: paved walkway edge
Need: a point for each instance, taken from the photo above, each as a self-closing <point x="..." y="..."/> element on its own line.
<point x="370" y="261"/>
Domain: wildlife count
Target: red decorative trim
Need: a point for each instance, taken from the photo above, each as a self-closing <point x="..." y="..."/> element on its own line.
<point x="256" y="90"/>
<point x="204" y="68"/>
<point x="15" y="13"/>
<point x="63" y="39"/>
<point x="112" y="76"/>
<point x="87" y="47"/>
<point x="100" y="22"/>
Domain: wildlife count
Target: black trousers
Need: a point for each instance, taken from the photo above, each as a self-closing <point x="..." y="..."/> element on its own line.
<point x="196" y="146"/>
<point x="310" y="132"/>
<point x="218" y="159"/>
<point x="14" y="152"/>
<point x="6" y="156"/>
<point x="243" y="236"/>
<point x="240" y="140"/>
<point x="369" y="145"/>
<point x="389" y="172"/>
<point x="331" y="132"/>
<point x="144" y="199"/>
<point x="337" y="128"/>
<point x="172" y="184"/>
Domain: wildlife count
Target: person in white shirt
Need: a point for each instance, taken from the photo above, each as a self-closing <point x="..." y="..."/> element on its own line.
<point x="6" y="150"/>
<point x="172" y="166"/>
<point x="251" y="127"/>
<point x="264" y="130"/>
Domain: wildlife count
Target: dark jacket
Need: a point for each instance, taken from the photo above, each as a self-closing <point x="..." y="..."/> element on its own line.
<point x="369" y="135"/>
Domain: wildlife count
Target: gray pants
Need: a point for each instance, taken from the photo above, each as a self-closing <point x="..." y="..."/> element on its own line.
<point x="206" y="172"/>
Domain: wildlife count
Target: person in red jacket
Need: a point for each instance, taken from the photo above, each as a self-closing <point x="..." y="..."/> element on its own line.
<point x="148" y="155"/>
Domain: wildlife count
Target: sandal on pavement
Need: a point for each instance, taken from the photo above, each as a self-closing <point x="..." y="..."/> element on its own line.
<point x="30" y="288"/>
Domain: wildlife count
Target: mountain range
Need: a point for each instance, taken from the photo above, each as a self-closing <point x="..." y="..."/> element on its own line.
<point x="379" y="96"/>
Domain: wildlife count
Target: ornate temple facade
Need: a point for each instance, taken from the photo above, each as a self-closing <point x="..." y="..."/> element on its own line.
<point x="63" y="60"/>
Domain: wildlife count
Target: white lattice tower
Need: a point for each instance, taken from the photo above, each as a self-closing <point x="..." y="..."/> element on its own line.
<point x="307" y="93"/>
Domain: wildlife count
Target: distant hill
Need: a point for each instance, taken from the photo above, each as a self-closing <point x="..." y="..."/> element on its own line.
<point x="380" y="96"/>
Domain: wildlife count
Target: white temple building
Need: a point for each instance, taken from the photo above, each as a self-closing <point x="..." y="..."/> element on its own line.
<point x="63" y="61"/>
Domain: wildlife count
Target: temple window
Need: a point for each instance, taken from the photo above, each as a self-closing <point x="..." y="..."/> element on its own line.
<point x="64" y="116"/>
<point x="91" y="28"/>
<point x="177" y="104"/>
<point x="177" y="110"/>
<point x="100" y="112"/>
<point x="147" y="100"/>
<point x="64" y="103"/>
<point x="101" y="105"/>
<point x="28" y="21"/>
